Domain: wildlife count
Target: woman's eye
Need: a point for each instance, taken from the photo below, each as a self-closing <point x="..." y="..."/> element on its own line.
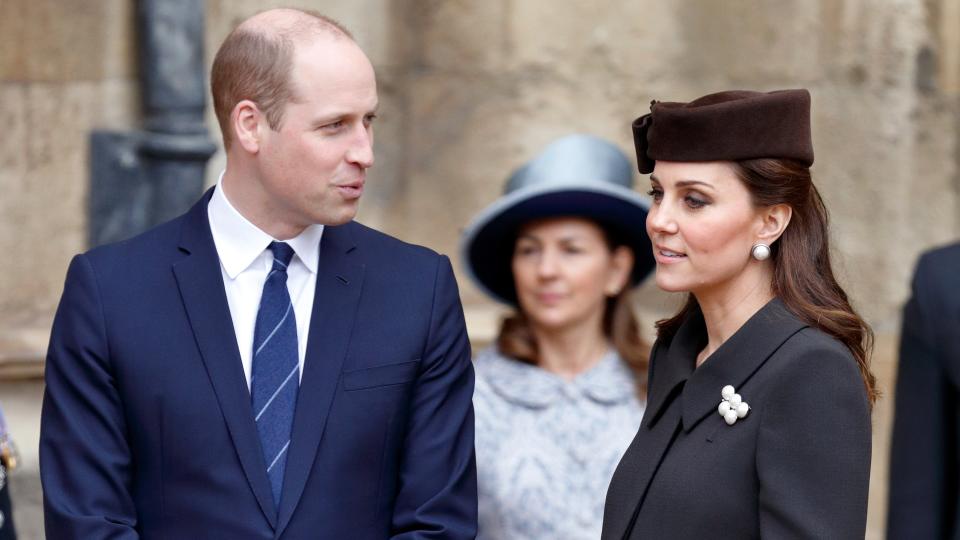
<point x="655" y="194"/>
<point x="695" y="202"/>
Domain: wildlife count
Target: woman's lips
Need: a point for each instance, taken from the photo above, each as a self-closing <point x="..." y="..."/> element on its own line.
<point x="668" y="256"/>
<point x="549" y="298"/>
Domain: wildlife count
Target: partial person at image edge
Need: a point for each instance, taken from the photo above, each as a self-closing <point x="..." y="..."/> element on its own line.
<point x="924" y="489"/>
<point x="8" y="457"/>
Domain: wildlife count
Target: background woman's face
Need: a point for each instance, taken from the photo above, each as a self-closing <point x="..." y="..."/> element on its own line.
<point x="564" y="271"/>
<point x="702" y="225"/>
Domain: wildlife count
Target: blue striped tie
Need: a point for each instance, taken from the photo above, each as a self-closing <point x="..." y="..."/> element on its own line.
<point x="275" y="379"/>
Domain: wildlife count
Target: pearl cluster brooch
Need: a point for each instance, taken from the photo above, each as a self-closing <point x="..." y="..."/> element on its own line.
<point x="733" y="407"/>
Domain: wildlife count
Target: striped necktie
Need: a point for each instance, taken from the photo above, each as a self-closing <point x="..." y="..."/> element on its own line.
<point x="275" y="379"/>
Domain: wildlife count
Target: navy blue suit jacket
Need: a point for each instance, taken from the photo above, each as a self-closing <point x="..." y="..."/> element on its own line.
<point x="924" y="494"/>
<point x="148" y="429"/>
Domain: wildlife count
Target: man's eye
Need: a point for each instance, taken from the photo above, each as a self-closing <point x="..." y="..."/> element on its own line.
<point x="333" y="126"/>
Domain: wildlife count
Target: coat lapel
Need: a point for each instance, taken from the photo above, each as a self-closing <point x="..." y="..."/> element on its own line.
<point x="201" y="289"/>
<point x="673" y="378"/>
<point x="671" y="365"/>
<point x="635" y="471"/>
<point x="736" y="360"/>
<point x="339" y="282"/>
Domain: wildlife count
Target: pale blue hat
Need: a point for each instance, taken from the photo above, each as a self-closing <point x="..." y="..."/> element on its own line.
<point x="577" y="175"/>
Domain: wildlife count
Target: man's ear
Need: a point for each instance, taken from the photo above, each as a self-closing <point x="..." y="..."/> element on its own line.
<point x="247" y="123"/>
<point x="774" y="220"/>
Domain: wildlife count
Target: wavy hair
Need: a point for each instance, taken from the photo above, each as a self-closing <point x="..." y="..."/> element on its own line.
<point x="802" y="274"/>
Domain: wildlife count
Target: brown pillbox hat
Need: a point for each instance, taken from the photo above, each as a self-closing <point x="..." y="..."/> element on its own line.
<point x="726" y="126"/>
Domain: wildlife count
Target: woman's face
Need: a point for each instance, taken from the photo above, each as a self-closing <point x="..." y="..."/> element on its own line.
<point x="564" y="271"/>
<point x="702" y="225"/>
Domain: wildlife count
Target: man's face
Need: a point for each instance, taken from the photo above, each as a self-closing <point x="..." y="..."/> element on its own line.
<point x="313" y="167"/>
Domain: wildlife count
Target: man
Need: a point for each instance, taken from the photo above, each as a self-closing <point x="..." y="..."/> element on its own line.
<point x="924" y="476"/>
<point x="172" y="407"/>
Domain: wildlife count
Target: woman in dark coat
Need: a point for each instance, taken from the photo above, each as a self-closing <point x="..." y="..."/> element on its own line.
<point x="758" y="417"/>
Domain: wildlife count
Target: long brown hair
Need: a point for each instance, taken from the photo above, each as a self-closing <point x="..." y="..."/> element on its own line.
<point x="803" y="276"/>
<point x="620" y="325"/>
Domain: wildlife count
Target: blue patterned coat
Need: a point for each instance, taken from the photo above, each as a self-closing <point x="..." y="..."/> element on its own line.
<point x="547" y="447"/>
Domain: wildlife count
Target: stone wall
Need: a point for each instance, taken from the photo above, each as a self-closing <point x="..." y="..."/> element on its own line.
<point x="63" y="71"/>
<point x="470" y="90"/>
<point x="495" y="81"/>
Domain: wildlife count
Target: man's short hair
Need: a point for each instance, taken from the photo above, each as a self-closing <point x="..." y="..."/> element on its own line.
<point x="255" y="64"/>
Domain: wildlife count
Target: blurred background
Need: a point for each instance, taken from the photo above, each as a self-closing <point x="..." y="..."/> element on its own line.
<point x="469" y="90"/>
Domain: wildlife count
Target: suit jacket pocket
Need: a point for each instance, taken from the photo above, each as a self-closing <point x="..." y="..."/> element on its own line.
<point x="373" y="377"/>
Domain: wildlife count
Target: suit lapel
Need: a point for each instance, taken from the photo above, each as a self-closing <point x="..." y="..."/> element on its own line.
<point x="201" y="289"/>
<point x="339" y="282"/>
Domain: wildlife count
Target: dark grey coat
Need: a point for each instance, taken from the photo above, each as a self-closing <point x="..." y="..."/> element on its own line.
<point x="797" y="466"/>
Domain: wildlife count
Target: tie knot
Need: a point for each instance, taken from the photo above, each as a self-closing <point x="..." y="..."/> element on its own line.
<point x="282" y="253"/>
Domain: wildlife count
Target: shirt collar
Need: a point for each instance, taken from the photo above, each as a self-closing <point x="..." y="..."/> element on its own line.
<point x="240" y="242"/>
<point x="610" y="382"/>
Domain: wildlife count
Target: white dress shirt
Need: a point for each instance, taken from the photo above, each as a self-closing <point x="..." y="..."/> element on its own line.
<point x="245" y="262"/>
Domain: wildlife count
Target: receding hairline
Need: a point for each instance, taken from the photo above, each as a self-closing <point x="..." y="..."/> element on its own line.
<point x="293" y="25"/>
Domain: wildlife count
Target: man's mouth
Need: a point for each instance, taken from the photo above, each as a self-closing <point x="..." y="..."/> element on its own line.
<point x="351" y="190"/>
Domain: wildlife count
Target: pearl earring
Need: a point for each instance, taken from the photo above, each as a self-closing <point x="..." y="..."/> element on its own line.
<point x="760" y="251"/>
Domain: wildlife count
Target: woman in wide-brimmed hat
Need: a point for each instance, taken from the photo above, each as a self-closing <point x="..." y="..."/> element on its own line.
<point x="561" y="392"/>
<point x="758" y="420"/>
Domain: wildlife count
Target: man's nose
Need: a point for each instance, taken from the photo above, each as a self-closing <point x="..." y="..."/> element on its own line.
<point x="361" y="147"/>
